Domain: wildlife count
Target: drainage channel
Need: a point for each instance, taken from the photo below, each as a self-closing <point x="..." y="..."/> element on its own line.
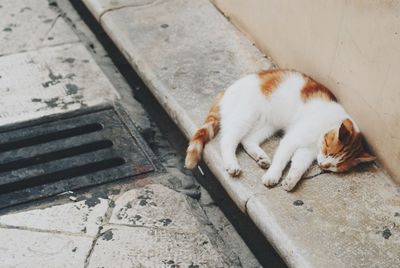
<point x="50" y="156"/>
<point x="254" y="239"/>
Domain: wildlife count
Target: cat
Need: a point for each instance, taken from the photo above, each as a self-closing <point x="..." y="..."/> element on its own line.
<point x="255" y="107"/>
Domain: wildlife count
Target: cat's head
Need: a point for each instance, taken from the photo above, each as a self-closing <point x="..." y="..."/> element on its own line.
<point x="342" y="148"/>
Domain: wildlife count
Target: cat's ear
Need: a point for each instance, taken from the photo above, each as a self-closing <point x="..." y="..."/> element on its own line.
<point x="346" y="130"/>
<point x="365" y="157"/>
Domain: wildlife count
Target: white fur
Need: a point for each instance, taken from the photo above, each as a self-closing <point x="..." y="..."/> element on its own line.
<point x="250" y="117"/>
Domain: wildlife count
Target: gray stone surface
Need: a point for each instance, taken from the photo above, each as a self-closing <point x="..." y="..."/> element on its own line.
<point x="28" y="25"/>
<point x="23" y="248"/>
<point x="49" y="81"/>
<point x="71" y="217"/>
<point x="186" y="52"/>
<point x="346" y="220"/>
<point x="154" y="206"/>
<point x="122" y="246"/>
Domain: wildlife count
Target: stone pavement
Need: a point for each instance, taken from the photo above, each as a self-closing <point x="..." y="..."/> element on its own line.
<point x="186" y="52"/>
<point x="50" y="63"/>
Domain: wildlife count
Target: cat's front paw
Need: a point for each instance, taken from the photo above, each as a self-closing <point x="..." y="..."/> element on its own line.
<point x="291" y="180"/>
<point x="288" y="184"/>
<point x="233" y="169"/>
<point x="271" y="178"/>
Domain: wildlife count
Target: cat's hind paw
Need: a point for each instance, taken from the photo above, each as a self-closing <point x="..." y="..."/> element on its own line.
<point x="233" y="169"/>
<point x="271" y="179"/>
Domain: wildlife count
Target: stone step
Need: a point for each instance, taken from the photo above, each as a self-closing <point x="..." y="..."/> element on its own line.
<point x="186" y="51"/>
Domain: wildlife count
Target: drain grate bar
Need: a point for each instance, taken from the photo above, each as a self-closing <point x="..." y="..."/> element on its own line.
<point x="69" y="153"/>
<point x="62" y="174"/>
<point x="66" y="133"/>
<point x="59" y="165"/>
<point x="56" y="145"/>
<point x="56" y="155"/>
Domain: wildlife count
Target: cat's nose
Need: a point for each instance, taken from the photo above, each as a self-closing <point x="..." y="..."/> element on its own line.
<point x="325" y="165"/>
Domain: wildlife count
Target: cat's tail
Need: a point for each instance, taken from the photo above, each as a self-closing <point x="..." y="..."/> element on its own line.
<point x="204" y="134"/>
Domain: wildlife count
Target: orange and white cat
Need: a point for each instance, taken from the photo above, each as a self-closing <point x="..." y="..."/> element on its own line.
<point x="258" y="105"/>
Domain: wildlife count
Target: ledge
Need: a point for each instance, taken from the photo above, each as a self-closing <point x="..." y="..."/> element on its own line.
<point x="186" y="52"/>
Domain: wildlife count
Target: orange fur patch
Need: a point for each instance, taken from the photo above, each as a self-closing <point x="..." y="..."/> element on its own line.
<point x="270" y="79"/>
<point x="205" y="133"/>
<point x="348" y="151"/>
<point x="313" y="89"/>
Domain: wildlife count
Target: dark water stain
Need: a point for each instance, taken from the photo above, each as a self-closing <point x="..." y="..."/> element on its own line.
<point x="192" y="265"/>
<point x="69" y="60"/>
<point x="54" y="79"/>
<point x="298" y="203"/>
<point x="85" y="61"/>
<point x="51" y="102"/>
<point x="36" y="100"/>
<point x="135" y="219"/>
<point x="170" y="263"/>
<point x="22" y="10"/>
<point x="71" y="89"/>
<point x="7" y="29"/>
<point x="164" y="25"/>
<point x="92" y="201"/>
<point x="397" y="214"/>
<point x="64" y="105"/>
<point x="386" y="233"/>
<point x="50" y="38"/>
<point x="74" y="249"/>
<point x="93" y="48"/>
<point x="120" y="214"/>
<point x="53" y="4"/>
<point x="48" y="21"/>
<point x="107" y="235"/>
<point x="165" y="222"/>
<point x="70" y="76"/>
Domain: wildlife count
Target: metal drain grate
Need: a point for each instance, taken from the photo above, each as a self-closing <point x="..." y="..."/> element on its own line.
<point x="69" y="153"/>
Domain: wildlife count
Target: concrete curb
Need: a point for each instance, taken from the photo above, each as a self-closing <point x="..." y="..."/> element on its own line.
<point x="186" y="51"/>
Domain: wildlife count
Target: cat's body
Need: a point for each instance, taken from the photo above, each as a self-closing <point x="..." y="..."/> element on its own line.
<point x="257" y="106"/>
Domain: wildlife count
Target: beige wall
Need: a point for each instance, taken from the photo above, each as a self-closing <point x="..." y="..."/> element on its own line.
<point x="351" y="46"/>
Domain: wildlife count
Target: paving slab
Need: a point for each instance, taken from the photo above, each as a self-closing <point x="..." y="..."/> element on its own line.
<point x="28" y="25"/>
<point x="99" y="7"/>
<point x="49" y="81"/>
<point x="186" y="52"/>
<point x="154" y="206"/>
<point x="73" y="217"/>
<point x="22" y="248"/>
<point x="346" y="220"/>
<point x="121" y="246"/>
